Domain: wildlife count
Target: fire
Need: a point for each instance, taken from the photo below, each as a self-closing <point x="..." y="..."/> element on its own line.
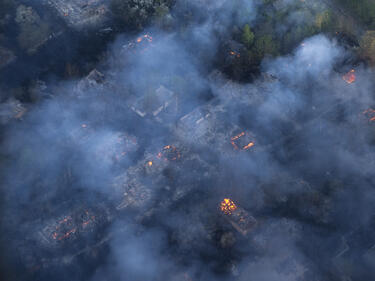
<point x="169" y="152"/>
<point x="250" y="144"/>
<point x="238" y="136"/>
<point x="123" y="144"/>
<point x="65" y="229"/>
<point x="349" y="77"/>
<point x="370" y="114"/>
<point x="149" y="163"/>
<point x="238" y="139"/>
<point x="235" y="54"/>
<point x="65" y="235"/>
<point x="146" y="37"/>
<point x="227" y="206"/>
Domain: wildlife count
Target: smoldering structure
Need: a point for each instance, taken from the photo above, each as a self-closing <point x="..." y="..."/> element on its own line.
<point x="139" y="182"/>
<point x="81" y="14"/>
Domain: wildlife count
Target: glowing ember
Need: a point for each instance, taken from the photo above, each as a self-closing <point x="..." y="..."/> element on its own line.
<point x="248" y="145"/>
<point x="124" y="144"/>
<point x="241" y="141"/>
<point x="144" y="37"/>
<point x="66" y="227"/>
<point x="149" y="163"/>
<point x="170" y="153"/>
<point x="370" y="114"/>
<point x="235" y="54"/>
<point x="227" y="206"/>
<point x="349" y="77"/>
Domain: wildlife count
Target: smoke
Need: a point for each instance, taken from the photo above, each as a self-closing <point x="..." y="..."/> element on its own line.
<point x="308" y="180"/>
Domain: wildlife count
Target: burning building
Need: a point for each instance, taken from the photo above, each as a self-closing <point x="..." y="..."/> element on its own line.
<point x="242" y="141"/>
<point x="165" y="171"/>
<point x="51" y="243"/>
<point x="78" y="224"/>
<point x="238" y="217"/>
<point x="81" y="14"/>
<point x="208" y="126"/>
<point x="370" y="115"/>
<point x="169" y="153"/>
<point x="134" y="188"/>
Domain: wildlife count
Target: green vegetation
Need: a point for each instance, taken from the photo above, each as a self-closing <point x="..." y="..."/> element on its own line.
<point x="367" y="47"/>
<point x="265" y="45"/>
<point x="323" y="21"/>
<point x="247" y="36"/>
<point x="281" y="26"/>
<point x="136" y="14"/>
<point x="364" y="10"/>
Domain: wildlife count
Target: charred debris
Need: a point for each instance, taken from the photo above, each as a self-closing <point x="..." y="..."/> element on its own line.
<point x="166" y="172"/>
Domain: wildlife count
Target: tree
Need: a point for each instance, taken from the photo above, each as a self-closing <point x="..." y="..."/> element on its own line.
<point x="136" y="14"/>
<point x="367" y="47"/>
<point x="265" y="45"/>
<point x="364" y="10"/>
<point x="247" y="36"/>
<point x="323" y="21"/>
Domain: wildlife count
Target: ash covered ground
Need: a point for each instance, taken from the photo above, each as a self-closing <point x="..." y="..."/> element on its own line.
<point x="186" y="141"/>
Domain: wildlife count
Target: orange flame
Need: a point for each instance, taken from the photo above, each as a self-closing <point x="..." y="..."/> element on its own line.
<point x="67" y="221"/>
<point x="146" y="37"/>
<point x="149" y="163"/>
<point x="250" y="144"/>
<point x="237" y="137"/>
<point x="169" y="152"/>
<point x="227" y="206"/>
<point x="349" y="77"/>
<point x="233" y="53"/>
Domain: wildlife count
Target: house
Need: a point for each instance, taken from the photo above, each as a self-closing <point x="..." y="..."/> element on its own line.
<point x="160" y="105"/>
<point x="80" y="14"/>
